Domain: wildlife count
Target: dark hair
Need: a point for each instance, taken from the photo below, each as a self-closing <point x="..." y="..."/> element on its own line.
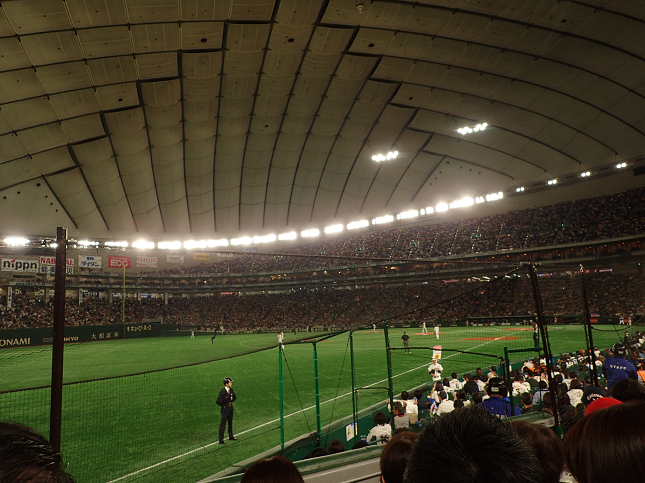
<point x="459" y="404"/>
<point x="575" y="384"/>
<point x="627" y="390"/>
<point x="360" y="444"/>
<point x="542" y="385"/>
<point x="395" y="456"/>
<point x="475" y="446"/>
<point x="398" y="407"/>
<point x="527" y="399"/>
<point x="453" y="375"/>
<point x="608" y="445"/>
<point x="547" y="448"/>
<point x="461" y="394"/>
<point x="439" y="387"/>
<point x="26" y="456"/>
<point x="380" y="418"/>
<point x="477" y="397"/>
<point x="276" y="469"/>
<point x="336" y="446"/>
<point x="405" y="395"/>
<point x="316" y="453"/>
<point x="493" y="368"/>
<point x="418" y="394"/>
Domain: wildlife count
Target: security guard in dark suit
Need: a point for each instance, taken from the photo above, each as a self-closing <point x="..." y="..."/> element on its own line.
<point x="225" y="400"/>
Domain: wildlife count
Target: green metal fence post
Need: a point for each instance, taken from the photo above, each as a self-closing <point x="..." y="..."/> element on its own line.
<point x="318" y="422"/>
<point x="281" y="398"/>
<point x="390" y="383"/>
<point x="351" y="354"/>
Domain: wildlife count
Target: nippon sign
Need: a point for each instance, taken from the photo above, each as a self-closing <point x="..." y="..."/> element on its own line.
<point x="118" y="262"/>
<point x="19" y="265"/>
<point x="52" y="261"/>
<point x="89" y="261"/>
<point x="147" y="262"/>
<point x="175" y="258"/>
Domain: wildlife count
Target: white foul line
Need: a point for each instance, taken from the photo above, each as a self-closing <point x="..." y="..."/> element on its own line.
<point x="276" y="420"/>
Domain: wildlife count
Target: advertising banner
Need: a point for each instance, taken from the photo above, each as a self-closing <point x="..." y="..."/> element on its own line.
<point x="249" y="250"/>
<point x="19" y="265"/>
<point x="224" y="255"/>
<point x="146" y="262"/>
<point x="52" y="261"/>
<point x="9" y="296"/>
<point x="51" y="269"/>
<point x="118" y="262"/>
<point x="89" y="261"/>
<point x="202" y="256"/>
<point x="436" y="353"/>
<point x="175" y="258"/>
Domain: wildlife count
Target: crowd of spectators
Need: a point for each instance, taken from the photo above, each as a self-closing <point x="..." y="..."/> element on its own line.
<point x="609" y="295"/>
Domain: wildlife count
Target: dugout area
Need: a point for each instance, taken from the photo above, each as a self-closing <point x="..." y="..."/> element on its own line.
<point x="143" y="409"/>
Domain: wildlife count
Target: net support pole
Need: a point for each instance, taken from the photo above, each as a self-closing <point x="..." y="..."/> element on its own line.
<point x="351" y="355"/>
<point x="539" y="309"/>
<point x="318" y="421"/>
<point x="390" y="383"/>
<point x="281" y="383"/>
<point x="588" y="329"/>
<point x="507" y="376"/>
<point x="56" y="405"/>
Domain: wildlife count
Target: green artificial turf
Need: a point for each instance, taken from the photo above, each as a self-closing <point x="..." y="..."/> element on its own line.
<point x="160" y="425"/>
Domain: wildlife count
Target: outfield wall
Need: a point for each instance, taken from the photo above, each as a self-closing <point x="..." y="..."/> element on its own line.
<point x="82" y="333"/>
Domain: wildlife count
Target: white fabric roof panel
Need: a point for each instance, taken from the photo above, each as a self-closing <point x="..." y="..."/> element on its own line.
<point x="272" y="121"/>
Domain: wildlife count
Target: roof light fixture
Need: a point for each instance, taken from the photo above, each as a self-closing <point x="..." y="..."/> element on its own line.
<point x="382" y="219"/>
<point x="222" y="242"/>
<point x="288" y="236"/>
<point x="141" y="244"/>
<point x="381" y="157"/>
<point x="169" y="245"/>
<point x="553" y="181"/>
<point x="116" y="244"/>
<point x="407" y="214"/>
<point x="16" y="241"/>
<point x="264" y="239"/>
<point x="441" y="207"/>
<point x="585" y="174"/>
<point x="310" y="233"/>
<point x="334" y="229"/>
<point x="467" y="201"/>
<point x="621" y="165"/>
<point x="495" y="196"/>
<point x="243" y="240"/>
<point x="520" y="189"/>
<point x="357" y="224"/>
<point x="468" y="129"/>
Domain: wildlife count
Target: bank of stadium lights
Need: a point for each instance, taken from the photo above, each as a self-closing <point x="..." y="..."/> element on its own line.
<point x="142" y="244"/>
<point x="87" y="244"/>
<point x="16" y="241"/>
<point x="382" y="219"/>
<point x="385" y="157"/>
<point x="357" y="224"/>
<point x="264" y="239"/>
<point x="552" y="182"/>
<point x="334" y="229"/>
<point x="520" y="189"/>
<point x="621" y="165"/>
<point x="172" y="245"/>
<point x="407" y="215"/>
<point x="310" y="233"/>
<point x="427" y="211"/>
<point x="244" y="240"/>
<point x="288" y="236"/>
<point x="467" y="129"/>
<point x="192" y="244"/>
<point x="495" y="196"/>
<point x="116" y="244"/>
<point x="585" y="174"/>
<point x="441" y="207"/>
<point x="462" y="203"/>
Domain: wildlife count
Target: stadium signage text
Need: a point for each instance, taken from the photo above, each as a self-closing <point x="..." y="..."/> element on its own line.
<point x="89" y="262"/>
<point x="17" y="265"/>
<point x="146" y="261"/>
<point x="201" y="256"/>
<point x="12" y="342"/>
<point x="175" y="258"/>
<point x="118" y="262"/>
<point x="52" y="261"/>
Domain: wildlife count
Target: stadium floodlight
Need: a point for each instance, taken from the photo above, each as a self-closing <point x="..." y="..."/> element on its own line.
<point x="520" y="189"/>
<point x="334" y="229"/>
<point x="357" y="224"/>
<point x="142" y="244"/>
<point x="222" y="242"/>
<point x="264" y="239"/>
<point x="467" y="129"/>
<point x="190" y="244"/>
<point x="407" y="214"/>
<point x="467" y="201"/>
<point x="552" y="181"/>
<point x="441" y="207"/>
<point x="585" y="174"/>
<point x="495" y="196"/>
<point x="310" y="233"/>
<point x="53" y="245"/>
<point x="88" y="243"/>
<point x="16" y="241"/>
<point x="385" y="157"/>
<point x="479" y="199"/>
<point x="243" y="240"/>
<point x="169" y="245"/>
<point x="621" y="165"/>
<point x="116" y="244"/>
<point x="379" y="220"/>
<point x="288" y="236"/>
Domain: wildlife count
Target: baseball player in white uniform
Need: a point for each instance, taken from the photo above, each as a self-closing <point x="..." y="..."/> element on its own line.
<point x="436" y="331"/>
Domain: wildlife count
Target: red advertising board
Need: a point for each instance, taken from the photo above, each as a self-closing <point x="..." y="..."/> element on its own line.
<point x="118" y="262"/>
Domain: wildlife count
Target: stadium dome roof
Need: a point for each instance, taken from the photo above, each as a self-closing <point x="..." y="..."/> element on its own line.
<point x="200" y="116"/>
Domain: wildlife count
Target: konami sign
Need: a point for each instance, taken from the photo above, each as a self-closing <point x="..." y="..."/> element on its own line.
<point x="118" y="262"/>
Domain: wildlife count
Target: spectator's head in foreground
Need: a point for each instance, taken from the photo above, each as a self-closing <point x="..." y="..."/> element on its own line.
<point x="628" y="390"/>
<point x="471" y="445"/>
<point x="336" y="446"/>
<point x="547" y="448"/>
<point x="395" y="456"/>
<point x="608" y="445"/>
<point x="276" y="469"/>
<point x="27" y="457"/>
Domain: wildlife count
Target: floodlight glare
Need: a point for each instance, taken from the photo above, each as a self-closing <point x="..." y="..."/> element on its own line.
<point x="429" y="210"/>
<point x="621" y="165"/>
<point x="585" y="174"/>
<point x="222" y="242"/>
<point x="382" y="219"/>
<point x="441" y="207"/>
<point x="357" y="224"/>
<point x="190" y="244"/>
<point x="495" y="196"/>
<point x="334" y="229"/>
<point x="380" y="157"/>
<point x="88" y="243"/>
<point x="461" y="203"/>
<point x="467" y="130"/>
<point x="16" y="241"/>
<point x="116" y="244"/>
<point x="172" y="245"/>
<point x="141" y="244"/>
<point x="288" y="236"/>
<point x="407" y="214"/>
<point x="479" y="199"/>
<point x="310" y="233"/>
<point x="264" y="239"/>
<point x="553" y="181"/>
<point x="244" y="240"/>
<point x="520" y="189"/>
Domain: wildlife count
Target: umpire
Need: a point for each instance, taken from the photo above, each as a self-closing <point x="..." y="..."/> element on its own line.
<point x="225" y="400"/>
